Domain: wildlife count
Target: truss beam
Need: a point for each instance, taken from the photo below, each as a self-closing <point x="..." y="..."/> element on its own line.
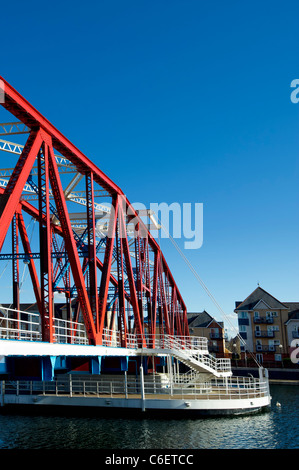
<point x="127" y="280"/>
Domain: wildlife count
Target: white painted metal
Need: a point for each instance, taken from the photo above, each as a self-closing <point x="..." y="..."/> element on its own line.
<point x="236" y="395"/>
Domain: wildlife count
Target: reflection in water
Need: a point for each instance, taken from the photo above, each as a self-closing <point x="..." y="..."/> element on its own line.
<point x="276" y="429"/>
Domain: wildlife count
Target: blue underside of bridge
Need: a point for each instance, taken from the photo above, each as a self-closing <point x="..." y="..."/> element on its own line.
<point x="50" y="367"/>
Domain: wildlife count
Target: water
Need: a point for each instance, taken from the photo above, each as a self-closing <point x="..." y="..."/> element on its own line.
<point x="275" y="429"/>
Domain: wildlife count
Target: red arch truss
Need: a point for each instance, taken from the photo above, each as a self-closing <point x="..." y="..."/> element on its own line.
<point x="103" y="258"/>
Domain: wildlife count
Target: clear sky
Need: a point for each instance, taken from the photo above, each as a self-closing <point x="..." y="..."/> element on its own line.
<point x="179" y="101"/>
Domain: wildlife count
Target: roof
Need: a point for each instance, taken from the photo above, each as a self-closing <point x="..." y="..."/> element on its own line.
<point x="32" y="307"/>
<point x="294" y="315"/>
<point x="294" y="310"/>
<point x="292" y="306"/>
<point x="201" y="320"/>
<point x="255" y="297"/>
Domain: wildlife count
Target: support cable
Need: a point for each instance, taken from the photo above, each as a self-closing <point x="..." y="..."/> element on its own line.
<point x="207" y="291"/>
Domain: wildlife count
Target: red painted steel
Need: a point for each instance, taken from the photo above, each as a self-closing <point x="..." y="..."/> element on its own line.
<point x="106" y="271"/>
<point x="31" y="265"/>
<point x="142" y="298"/>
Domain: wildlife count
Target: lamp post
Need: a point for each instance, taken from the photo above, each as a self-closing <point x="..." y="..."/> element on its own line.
<point x="235" y="353"/>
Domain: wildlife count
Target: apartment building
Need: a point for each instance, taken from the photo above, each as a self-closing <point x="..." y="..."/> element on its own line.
<point x="267" y="325"/>
<point x="204" y="325"/>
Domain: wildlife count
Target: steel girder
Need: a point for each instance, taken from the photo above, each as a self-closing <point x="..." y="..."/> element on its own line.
<point x="132" y="282"/>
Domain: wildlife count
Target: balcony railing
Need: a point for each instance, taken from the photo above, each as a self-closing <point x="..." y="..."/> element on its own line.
<point x="264" y="333"/>
<point x="267" y="320"/>
<point x="265" y="348"/>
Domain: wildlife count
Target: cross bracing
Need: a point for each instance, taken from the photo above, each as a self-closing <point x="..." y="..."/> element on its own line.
<point x="101" y="255"/>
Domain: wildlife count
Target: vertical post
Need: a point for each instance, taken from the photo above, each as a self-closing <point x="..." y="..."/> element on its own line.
<point x="28" y="251"/>
<point x="2" y="392"/>
<point x="226" y="385"/>
<point x="154" y="298"/>
<point x="267" y="381"/>
<point x="126" y="384"/>
<point x="139" y="257"/>
<point x="142" y="388"/>
<point x="45" y="247"/>
<point x="129" y="272"/>
<point x="169" y="367"/>
<point x="121" y="293"/>
<point x="106" y="270"/>
<point x="91" y="236"/>
<point x="15" y="264"/>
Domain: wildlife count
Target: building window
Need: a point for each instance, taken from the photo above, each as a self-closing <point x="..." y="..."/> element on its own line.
<point x="271" y="314"/>
<point x="257" y="330"/>
<point x="277" y="357"/>
<point x="242" y="328"/>
<point x="256" y="314"/>
<point x="295" y="332"/>
<point x="243" y="315"/>
<point x="215" y="333"/>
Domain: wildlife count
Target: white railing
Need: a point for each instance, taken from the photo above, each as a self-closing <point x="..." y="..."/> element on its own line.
<point x="186" y="343"/>
<point x="130" y="387"/>
<point x="21" y="325"/>
<point x="111" y="338"/>
<point x="196" y="348"/>
<point x="217" y="364"/>
<point x="26" y="326"/>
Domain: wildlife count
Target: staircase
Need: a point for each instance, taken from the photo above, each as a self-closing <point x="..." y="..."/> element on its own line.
<point x="204" y="363"/>
<point x="195" y="357"/>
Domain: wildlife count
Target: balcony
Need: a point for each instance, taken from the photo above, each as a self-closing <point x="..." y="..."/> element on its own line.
<point x="243" y="321"/>
<point x="264" y="334"/>
<point x="265" y="320"/>
<point x="265" y="348"/>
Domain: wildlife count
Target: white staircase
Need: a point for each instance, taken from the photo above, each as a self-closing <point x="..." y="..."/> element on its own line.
<point x="195" y="359"/>
<point x="193" y="352"/>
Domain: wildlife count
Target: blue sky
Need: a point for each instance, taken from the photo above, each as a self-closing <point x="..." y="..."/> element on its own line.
<point x="180" y="101"/>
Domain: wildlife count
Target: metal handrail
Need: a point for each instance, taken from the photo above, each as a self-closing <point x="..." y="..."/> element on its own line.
<point x="232" y="388"/>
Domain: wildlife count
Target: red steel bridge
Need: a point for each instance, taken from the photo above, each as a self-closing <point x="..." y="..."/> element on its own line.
<point x="101" y="255"/>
